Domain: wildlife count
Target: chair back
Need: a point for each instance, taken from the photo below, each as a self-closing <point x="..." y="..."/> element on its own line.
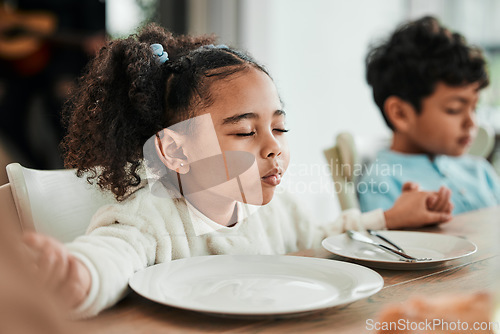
<point x="484" y="142"/>
<point x="342" y="157"/>
<point x="54" y="202"/>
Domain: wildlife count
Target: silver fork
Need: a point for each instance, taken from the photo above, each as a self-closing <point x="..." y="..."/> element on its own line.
<point x="402" y="256"/>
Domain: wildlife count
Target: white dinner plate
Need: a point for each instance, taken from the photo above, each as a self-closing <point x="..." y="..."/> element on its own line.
<point x="439" y="247"/>
<point x="255" y="285"/>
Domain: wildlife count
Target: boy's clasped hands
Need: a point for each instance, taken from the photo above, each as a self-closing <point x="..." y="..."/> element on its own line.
<point x="416" y="208"/>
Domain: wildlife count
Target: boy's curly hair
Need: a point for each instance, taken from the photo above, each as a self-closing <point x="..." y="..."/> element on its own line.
<point x="416" y="57"/>
<point x="126" y="96"/>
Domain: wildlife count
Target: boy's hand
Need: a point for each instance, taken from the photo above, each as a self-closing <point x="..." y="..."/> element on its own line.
<point x="440" y="201"/>
<point x="56" y="268"/>
<point x="416" y="208"/>
<point x="410" y="186"/>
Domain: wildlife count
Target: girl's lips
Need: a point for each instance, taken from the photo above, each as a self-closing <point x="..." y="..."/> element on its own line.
<point x="273" y="179"/>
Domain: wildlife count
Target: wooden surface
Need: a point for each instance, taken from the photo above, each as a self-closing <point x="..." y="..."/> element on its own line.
<point x="474" y="273"/>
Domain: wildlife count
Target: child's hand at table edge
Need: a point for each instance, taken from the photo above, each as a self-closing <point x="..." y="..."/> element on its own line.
<point x="57" y="269"/>
<point x="440" y="202"/>
<point x="415" y="208"/>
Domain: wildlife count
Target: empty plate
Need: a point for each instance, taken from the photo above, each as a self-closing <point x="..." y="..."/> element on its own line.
<point x="255" y="285"/>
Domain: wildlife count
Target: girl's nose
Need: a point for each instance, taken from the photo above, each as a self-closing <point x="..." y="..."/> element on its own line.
<point x="271" y="147"/>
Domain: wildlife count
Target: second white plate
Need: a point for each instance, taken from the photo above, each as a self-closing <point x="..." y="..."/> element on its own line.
<point x="439" y="247"/>
<point x="255" y="285"/>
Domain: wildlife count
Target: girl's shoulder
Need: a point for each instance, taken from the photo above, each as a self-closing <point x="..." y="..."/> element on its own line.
<point x="139" y="204"/>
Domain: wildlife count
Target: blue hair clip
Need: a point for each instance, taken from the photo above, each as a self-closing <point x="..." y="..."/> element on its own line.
<point x="158" y="51"/>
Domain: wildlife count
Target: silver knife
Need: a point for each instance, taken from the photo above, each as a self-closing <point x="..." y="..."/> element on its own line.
<point x="360" y="237"/>
<point x="381" y="237"/>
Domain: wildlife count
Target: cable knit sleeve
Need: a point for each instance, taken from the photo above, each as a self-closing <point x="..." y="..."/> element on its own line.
<point x="310" y="234"/>
<point x="352" y="219"/>
<point x="121" y="240"/>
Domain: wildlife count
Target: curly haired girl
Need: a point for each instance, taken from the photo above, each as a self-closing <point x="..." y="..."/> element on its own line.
<point x="212" y="117"/>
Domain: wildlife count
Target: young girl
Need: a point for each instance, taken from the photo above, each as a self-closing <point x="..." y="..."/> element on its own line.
<point x="213" y="118"/>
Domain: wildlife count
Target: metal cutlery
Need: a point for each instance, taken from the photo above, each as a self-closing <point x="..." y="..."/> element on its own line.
<point x="381" y="237"/>
<point x="402" y="256"/>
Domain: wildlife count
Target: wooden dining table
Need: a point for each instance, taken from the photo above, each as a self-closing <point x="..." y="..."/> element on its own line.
<point x="135" y="314"/>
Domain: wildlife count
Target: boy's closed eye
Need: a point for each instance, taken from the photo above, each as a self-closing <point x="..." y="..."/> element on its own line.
<point x="458" y="105"/>
<point x="456" y="111"/>
<point x="453" y="111"/>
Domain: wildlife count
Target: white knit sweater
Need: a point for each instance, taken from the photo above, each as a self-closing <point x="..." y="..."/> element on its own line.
<point x="144" y="230"/>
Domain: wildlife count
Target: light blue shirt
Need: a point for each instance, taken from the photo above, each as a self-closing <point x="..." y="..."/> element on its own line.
<point x="472" y="180"/>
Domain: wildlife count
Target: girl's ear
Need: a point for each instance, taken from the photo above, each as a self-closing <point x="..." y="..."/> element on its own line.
<point x="170" y="150"/>
<point x="400" y="113"/>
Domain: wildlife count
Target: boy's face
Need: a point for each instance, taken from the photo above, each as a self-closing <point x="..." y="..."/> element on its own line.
<point x="446" y="124"/>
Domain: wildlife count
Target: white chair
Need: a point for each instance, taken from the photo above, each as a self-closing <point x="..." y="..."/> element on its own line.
<point x="350" y="155"/>
<point x="342" y="157"/>
<point x="484" y="142"/>
<point x="54" y="202"/>
<point x="347" y="159"/>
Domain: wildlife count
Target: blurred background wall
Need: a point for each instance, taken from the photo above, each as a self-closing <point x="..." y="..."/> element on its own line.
<point x="315" y="51"/>
<point x="44" y="46"/>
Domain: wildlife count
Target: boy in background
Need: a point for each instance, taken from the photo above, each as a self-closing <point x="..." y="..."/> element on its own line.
<point x="426" y="81"/>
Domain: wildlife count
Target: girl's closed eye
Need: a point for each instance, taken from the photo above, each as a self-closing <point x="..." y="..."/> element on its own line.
<point x="242" y="131"/>
<point x="245" y="134"/>
<point x="252" y="133"/>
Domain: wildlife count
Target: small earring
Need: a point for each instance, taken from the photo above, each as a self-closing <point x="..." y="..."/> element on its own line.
<point x="182" y="165"/>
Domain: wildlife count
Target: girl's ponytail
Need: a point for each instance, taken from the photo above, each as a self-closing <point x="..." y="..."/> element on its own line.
<point x="119" y="104"/>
